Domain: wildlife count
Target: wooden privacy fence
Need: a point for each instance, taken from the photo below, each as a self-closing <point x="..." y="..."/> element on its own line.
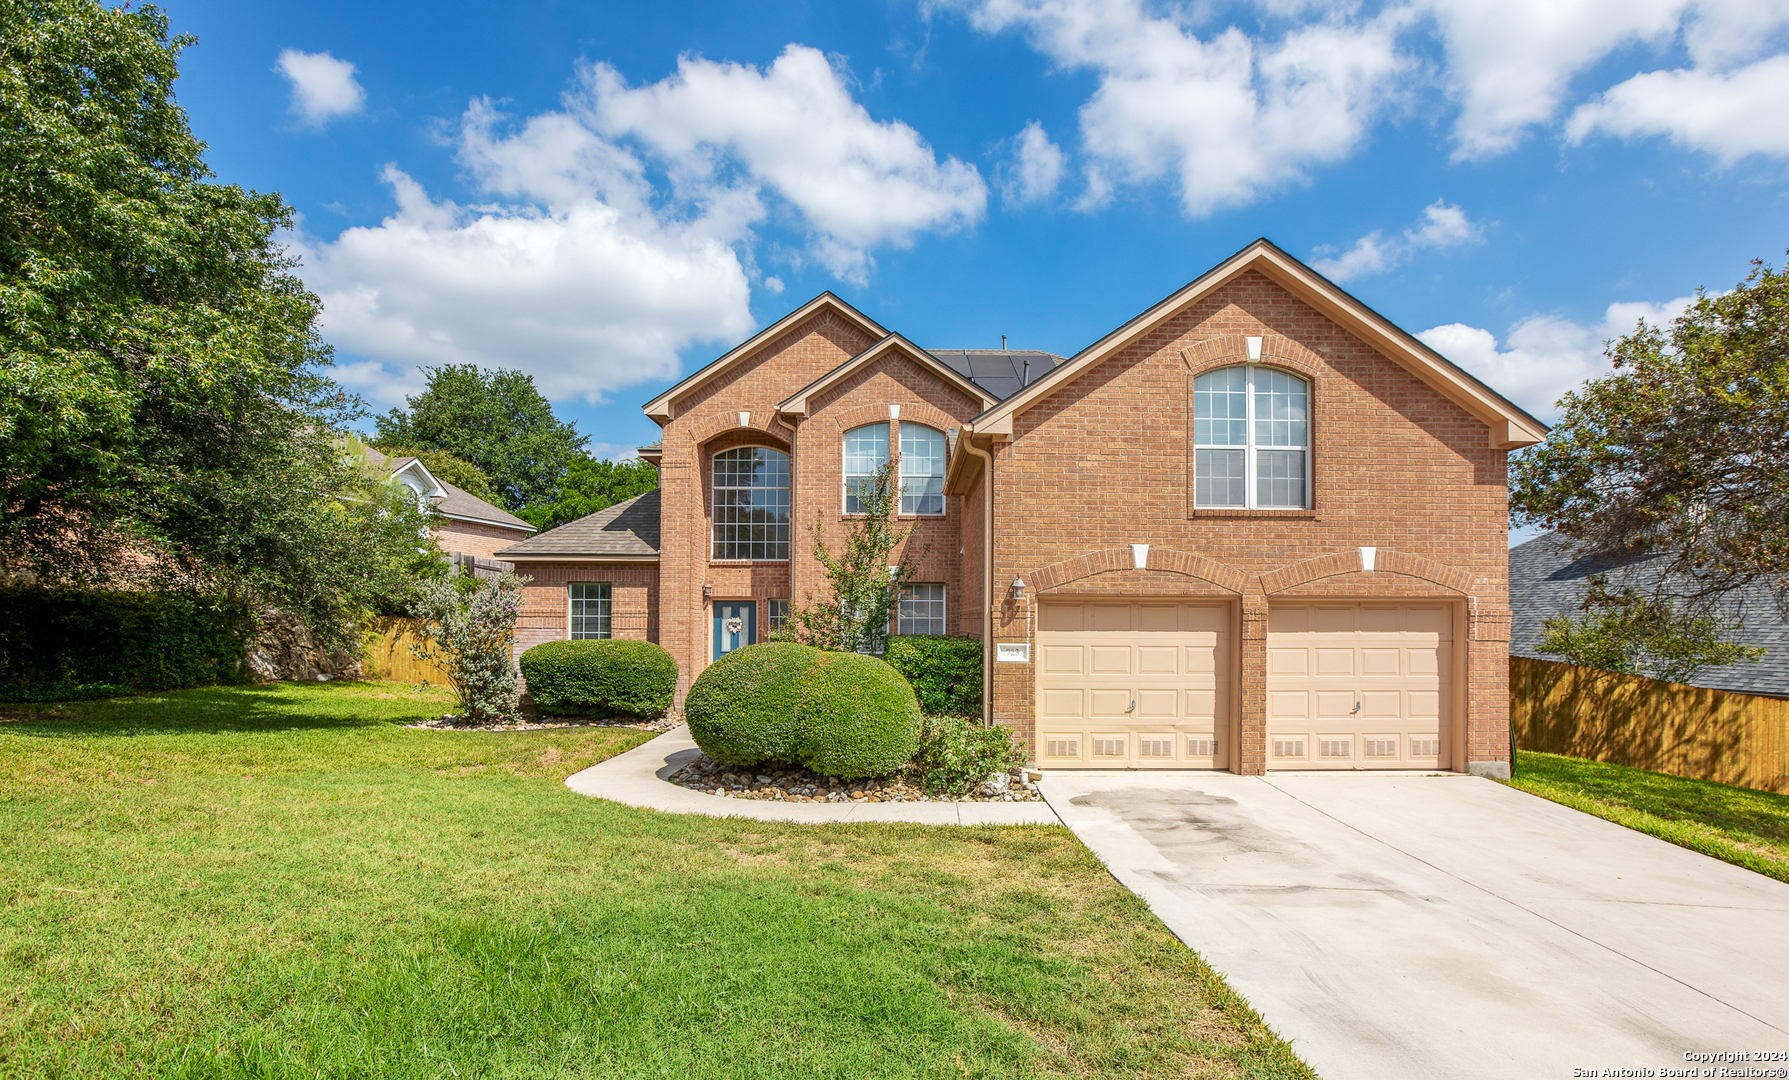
<point x="1664" y="727"/>
<point x="386" y="654"/>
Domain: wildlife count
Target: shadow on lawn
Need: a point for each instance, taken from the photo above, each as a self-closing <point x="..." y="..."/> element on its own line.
<point x="259" y="707"/>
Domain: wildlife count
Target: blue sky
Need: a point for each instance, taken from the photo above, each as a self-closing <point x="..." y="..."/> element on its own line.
<point x="607" y="196"/>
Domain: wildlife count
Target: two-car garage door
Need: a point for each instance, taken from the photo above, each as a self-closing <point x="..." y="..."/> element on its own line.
<point x="1142" y="684"/>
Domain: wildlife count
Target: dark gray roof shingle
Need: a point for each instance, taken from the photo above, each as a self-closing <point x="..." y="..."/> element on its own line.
<point x="1546" y="579"/>
<point x="1001" y="372"/>
<point x="628" y="528"/>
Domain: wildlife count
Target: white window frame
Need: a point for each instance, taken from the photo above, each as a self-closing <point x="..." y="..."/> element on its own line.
<point x="889" y="447"/>
<point x="943" y="447"/>
<point x="943" y="602"/>
<point x="605" y="616"/>
<point x="714" y="490"/>
<point x="1250" y="449"/>
<point x="776" y="613"/>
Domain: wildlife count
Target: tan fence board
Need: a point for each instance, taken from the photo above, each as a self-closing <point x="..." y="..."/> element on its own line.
<point x="386" y="654"/>
<point x="1664" y="727"/>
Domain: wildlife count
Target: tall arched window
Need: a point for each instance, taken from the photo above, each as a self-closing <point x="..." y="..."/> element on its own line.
<point x="866" y="451"/>
<point x="751" y="504"/>
<point x="1251" y="439"/>
<point x="922" y="470"/>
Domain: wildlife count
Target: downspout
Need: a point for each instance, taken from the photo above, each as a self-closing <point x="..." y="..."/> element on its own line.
<point x="987" y="580"/>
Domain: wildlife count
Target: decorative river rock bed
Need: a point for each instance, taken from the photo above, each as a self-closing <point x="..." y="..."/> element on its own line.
<point x="451" y="722"/>
<point x="800" y="785"/>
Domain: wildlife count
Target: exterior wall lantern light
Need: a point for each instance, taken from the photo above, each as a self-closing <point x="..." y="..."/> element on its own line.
<point x="707" y="592"/>
<point x="1018" y="588"/>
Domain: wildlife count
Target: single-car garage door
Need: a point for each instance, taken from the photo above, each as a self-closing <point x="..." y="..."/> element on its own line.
<point x="1132" y="684"/>
<point x="1357" y="686"/>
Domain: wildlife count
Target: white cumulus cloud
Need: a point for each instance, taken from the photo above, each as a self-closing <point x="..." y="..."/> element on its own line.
<point x="1729" y="115"/>
<point x="322" y="86"/>
<point x="1036" y="167"/>
<point x="794" y="129"/>
<point x="1543" y="356"/>
<point x="1442" y="226"/>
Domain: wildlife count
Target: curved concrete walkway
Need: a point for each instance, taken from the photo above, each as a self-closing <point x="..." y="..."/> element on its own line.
<point x="637" y="778"/>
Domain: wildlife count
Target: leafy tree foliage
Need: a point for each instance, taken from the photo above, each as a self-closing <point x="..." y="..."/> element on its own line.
<point x="469" y="629"/>
<point x="1633" y="633"/>
<point x="590" y="485"/>
<point x="1681" y="450"/>
<point x="864" y="584"/>
<point x="496" y="420"/>
<point x="163" y="402"/>
<point x="454" y="470"/>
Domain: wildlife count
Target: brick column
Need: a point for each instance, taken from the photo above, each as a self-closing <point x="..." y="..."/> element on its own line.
<point x="1487" y="691"/>
<point x="1249" y="757"/>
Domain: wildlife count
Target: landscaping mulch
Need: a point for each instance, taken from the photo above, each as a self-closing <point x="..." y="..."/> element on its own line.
<point x="450" y="722"/>
<point x="802" y="785"/>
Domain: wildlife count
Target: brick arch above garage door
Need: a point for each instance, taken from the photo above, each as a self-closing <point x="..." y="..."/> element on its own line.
<point x="1385" y="561"/>
<point x="1106" y="560"/>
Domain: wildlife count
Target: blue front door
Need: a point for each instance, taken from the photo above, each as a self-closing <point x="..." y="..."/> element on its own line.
<point x="735" y="626"/>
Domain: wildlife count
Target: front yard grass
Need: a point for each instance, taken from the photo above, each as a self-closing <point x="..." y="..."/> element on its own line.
<point x="1741" y="826"/>
<point x="283" y="881"/>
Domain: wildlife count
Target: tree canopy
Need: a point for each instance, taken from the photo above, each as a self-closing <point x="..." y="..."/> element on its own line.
<point x="163" y="397"/>
<point x="1680" y="451"/>
<point x="454" y="470"/>
<point x="498" y="421"/>
<point x="590" y="485"/>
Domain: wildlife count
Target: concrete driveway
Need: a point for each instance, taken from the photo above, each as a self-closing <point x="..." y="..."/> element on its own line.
<point x="1399" y="925"/>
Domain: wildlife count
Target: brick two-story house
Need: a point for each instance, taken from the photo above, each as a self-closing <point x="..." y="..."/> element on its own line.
<point x="1256" y="527"/>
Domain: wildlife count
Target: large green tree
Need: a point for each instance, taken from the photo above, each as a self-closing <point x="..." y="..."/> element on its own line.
<point x="163" y="398"/>
<point x="1682" y="451"/>
<point x="495" y="419"/>
<point x="590" y="485"/>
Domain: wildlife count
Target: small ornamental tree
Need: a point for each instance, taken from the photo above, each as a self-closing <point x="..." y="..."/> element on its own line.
<point x="865" y="585"/>
<point x="469" y="630"/>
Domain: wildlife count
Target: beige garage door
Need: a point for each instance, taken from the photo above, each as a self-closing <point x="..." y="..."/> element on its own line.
<point x="1132" y="685"/>
<point x="1357" y="686"/>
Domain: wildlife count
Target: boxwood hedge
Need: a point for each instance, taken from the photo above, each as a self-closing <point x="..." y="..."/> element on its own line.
<point x="608" y="677"/>
<point x="840" y="714"/>
<point x="944" y="671"/>
<point x="57" y="644"/>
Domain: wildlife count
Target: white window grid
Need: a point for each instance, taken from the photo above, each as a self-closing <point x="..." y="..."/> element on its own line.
<point x="591" y="609"/>
<point x="920" y="609"/>
<point x="866" y="451"/>
<point x="922" y="470"/>
<point x="1251" y="439"/>
<point x="751" y="504"/>
<point x="776" y="614"/>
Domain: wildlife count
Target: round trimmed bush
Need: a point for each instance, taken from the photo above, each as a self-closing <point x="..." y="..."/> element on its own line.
<point x="742" y="708"/>
<point x="858" y="717"/>
<point x="608" y="677"/>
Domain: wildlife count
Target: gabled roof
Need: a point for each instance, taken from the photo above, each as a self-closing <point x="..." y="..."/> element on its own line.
<point x="1511" y="426"/>
<point x="1547" y="578"/>
<point x="796" y="404"/>
<point x="450" y="502"/>
<point x="625" y="532"/>
<point x="659" y="408"/>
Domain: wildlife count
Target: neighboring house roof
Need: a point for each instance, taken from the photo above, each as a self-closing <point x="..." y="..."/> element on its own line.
<point x="796" y="404"/>
<point x="1511" y="427"/>
<point x="1001" y="372"/>
<point x="1546" y="579"/>
<point x="449" y="501"/>
<point x="624" y="532"/>
<point x="659" y="408"/>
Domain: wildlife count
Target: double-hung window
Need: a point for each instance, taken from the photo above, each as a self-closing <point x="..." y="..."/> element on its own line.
<point x="751" y="504"/>
<point x="920" y="610"/>
<point x="866" y="452"/>
<point x="590" y="608"/>
<point x="922" y="470"/>
<point x="1251" y="439"/>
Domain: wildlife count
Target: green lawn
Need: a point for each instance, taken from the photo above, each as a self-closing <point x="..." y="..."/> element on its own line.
<point x="1745" y="827"/>
<point x="281" y="881"/>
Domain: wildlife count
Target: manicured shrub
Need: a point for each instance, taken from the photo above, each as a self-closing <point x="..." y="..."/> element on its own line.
<point x="857" y="717"/>
<point x="956" y="753"/>
<point x="945" y="672"/>
<point x="58" y="644"/>
<point x="841" y="714"/>
<point x="469" y="629"/>
<point x="742" y="708"/>
<point x="611" y="677"/>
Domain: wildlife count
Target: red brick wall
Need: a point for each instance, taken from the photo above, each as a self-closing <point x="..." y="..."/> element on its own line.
<point x="1103" y="463"/>
<point x="474" y="538"/>
<point x="546" y="606"/>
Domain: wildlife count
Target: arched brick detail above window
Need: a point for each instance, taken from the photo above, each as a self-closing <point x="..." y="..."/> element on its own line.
<point x="1385" y="561"/>
<point x="912" y="412"/>
<point x="1166" y="560"/>
<point x="757" y="418"/>
<point x="1277" y="350"/>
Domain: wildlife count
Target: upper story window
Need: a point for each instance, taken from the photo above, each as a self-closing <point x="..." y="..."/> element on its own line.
<point x="866" y="451"/>
<point x="1251" y="439"/>
<point x="751" y="504"/>
<point x="922" y="470"/>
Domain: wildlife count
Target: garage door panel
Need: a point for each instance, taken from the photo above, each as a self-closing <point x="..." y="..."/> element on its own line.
<point x="1158" y="618"/>
<point x="1375" y="677"/>
<point x="1201" y="658"/>
<point x="1063" y="703"/>
<point x="1063" y="617"/>
<point x="1158" y="660"/>
<point x="1112" y="660"/>
<point x="1063" y="659"/>
<point x="1202" y="704"/>
<point x="1108" y="618"/>
<point x="1209" y="619"/>
<point x="1110" y="703"/>
<point x="1158" y="704"/>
